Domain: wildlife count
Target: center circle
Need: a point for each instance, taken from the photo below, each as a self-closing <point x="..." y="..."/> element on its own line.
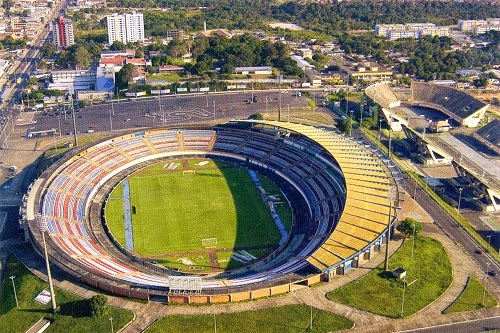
<point x="198" y="215"/>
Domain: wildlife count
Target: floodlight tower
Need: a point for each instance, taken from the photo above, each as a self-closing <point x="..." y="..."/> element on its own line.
<point x="42" y="224"/>
<point x="391" y="196"/>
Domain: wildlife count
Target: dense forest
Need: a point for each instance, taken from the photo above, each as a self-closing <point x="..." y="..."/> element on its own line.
<point x="326" y="18"/>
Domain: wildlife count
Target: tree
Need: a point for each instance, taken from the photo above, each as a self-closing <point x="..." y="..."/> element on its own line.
<point x="345" y="125"/>
<point x="124" y="75"/>
<point x="256" y="116"/>
<point x="409" y="226"/>
<point x="118" y="46"/>
<point x="480" y="82"/>
<point x="98" y="305"/>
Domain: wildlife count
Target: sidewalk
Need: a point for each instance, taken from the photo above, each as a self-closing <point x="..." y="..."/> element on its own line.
<point x="146" y="314"/>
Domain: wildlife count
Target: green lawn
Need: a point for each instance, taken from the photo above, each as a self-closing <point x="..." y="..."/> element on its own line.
<point x="290" y="318"/>
<point x="430" y="267"/>
<point x="70" y="317"/>
<point x="472" y="298"/>
<point x="175" y="211"/>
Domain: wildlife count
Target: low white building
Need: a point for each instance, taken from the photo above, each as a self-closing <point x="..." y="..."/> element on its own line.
<point x="262" y="70"/>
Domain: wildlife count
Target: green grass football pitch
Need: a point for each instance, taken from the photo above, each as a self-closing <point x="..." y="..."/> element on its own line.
<point x="175" y="210"/>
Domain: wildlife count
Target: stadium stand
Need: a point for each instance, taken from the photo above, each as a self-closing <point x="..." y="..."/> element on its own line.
<point x="490" y="135"/>
<point x="460" y="106"/>
<point x="348" y="214"/>
<point x="383" y="95"/>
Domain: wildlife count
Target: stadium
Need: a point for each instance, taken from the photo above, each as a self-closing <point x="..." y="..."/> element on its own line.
<point x="344" y="195"/>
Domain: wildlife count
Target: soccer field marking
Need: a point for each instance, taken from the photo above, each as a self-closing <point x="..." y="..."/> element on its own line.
<point x="155" y="190"/>
<point x="127" y="216"/>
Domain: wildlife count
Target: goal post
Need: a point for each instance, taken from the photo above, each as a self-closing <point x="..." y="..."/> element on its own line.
<point x="209" y="243"/>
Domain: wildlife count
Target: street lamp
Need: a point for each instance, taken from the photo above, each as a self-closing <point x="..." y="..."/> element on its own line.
<point x="215" y="320"/>
<point x="390" y="135"/>
<point x="486" y="282"/>
<point x="288" y="107"/>
<point x="390" y="197"/>
<point x="42" y="224"/>
<point x="489" y="239"/>
<point x="14" y="287"/>
<point x="352" y="112"/>
<point x="460" y="189"/>
<point x="111" y="321"/>
<point x="403" y="302"/>
<point x="379" y="129"/>
<point x="413" y="245"/>
<point x="110" y="121"/>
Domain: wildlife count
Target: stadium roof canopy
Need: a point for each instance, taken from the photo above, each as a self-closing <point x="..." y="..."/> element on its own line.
<point x="457" y="104"/>
<point x="490" y="135"/>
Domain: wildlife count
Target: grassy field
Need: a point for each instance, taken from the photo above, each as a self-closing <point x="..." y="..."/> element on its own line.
<point x="291" y="318"/>
<point x="429" y="273"/>
<point x="70" y="317"/>
<point x="472" y="298"/>
<point x="176" y="210"/>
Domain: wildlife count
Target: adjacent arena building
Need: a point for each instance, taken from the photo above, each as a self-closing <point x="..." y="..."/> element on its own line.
<point x="344" y="195"/>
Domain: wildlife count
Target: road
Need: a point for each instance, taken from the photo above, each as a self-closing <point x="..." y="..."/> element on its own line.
<point x="455" y="232"/>
<point x="473" y="326"/>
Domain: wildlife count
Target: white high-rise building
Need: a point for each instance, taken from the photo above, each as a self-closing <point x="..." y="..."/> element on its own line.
<point x="125" y="28"/>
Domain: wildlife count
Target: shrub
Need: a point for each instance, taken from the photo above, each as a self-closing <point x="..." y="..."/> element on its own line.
<point x="98" y="305"/>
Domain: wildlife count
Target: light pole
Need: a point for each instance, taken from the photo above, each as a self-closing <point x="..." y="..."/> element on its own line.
<point x="288" y="108"/>
<point x="379" y="130"/>
<point x="486" y="282"/>
<point x="403" y="302"/>
<point x="14" y="286"/>
<point x="214" y="110"/>
<point x="111" y="321"/>
<point x="75" y="135"/>
<point x="311" y="319"/>
<point x="460" y="189"/>
<point x="215" y="320"/>
<point x="390" y="197"/>
<point x="110" y="121"/>
<point x="59" y="122"/>
<point x="413" y="245"/>
<point x="390" y="135"/>
<point x="489" y="239"/>
<point x="279" y="98"/>
<point x="352" y="112"/>
<point x="43" y="227"/>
